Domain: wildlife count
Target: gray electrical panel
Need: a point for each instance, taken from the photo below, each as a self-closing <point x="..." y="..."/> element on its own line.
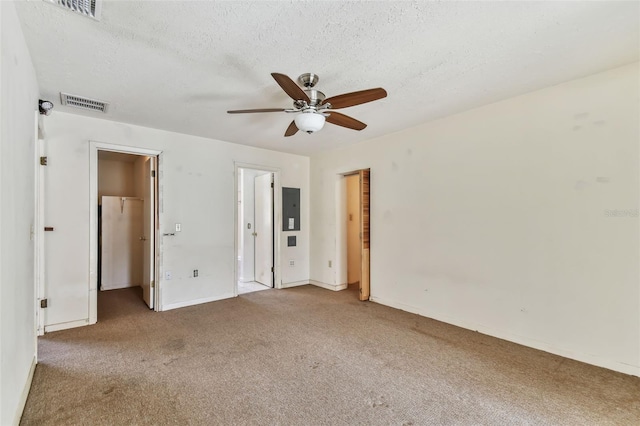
<point x="290" y="209"/>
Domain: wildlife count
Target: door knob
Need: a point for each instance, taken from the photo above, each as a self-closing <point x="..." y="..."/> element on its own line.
<point x="143" y="238"/>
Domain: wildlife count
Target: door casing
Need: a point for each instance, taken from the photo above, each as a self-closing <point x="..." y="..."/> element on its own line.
<point x="341" y="231"/>
<point x="277" y="221"/>
<point x="94" y="147"/>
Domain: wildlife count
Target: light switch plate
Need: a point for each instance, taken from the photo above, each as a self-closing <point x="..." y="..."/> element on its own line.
<point x="178" y="227"/>
<point x="167" y="275"/>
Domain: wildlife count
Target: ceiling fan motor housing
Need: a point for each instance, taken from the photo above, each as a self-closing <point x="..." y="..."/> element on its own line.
<point x="315" y="99"/>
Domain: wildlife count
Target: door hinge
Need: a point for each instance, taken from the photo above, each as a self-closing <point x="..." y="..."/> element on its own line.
<point x="272" y="269"/>
<point x="43" y="303"/>
<point x="272" y="184"/>
<point x="43" y="161"/>
<point x="153" y="284"/>
<point x="153" y="173"/>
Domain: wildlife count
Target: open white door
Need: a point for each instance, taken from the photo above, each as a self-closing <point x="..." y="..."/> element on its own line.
<point x="264" y="229"/>
<point x="148" y="237"/>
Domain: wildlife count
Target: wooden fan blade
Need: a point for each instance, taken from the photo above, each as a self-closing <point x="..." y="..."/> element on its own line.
<point x="249" y="111"/>
<point x="292" y="129"/>
<point x="290" y="87"/>
<point x="344" y="121"/>
<point x="355" y="98"/>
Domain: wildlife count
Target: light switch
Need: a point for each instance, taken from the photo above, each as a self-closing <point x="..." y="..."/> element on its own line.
<point x="178" y="227"/>
<point x="292" y="223"/>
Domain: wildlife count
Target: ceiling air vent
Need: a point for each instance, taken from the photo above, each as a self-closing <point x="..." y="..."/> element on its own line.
<point x="89" y="8"/>
<point x="83" y="103"/>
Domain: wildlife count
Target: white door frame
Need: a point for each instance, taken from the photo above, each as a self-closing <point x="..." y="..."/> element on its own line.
<point x="38" y="226"/>
<point x="277" y="221"/>
<point x="94" y="147"/>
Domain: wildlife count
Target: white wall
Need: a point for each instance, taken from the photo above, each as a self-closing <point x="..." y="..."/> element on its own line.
<point x="197" y="185"/>
<point x="518" y="219"/>
<point x="18" y="103"/>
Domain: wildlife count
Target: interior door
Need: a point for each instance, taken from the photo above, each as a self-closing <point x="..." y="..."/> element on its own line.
<point x="263" y="228"/>
<point x="148" y="237"/>
<point x="364" y="232"/>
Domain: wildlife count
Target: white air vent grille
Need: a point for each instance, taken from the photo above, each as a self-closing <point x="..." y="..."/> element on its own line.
<point x="89" y="8"/>
<point x="84" y="103"/>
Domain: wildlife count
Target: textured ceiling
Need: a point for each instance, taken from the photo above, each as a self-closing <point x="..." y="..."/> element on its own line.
<point x="181" y="65"/>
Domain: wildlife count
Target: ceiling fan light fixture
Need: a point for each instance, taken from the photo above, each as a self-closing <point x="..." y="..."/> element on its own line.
<point x="309" y="121"/>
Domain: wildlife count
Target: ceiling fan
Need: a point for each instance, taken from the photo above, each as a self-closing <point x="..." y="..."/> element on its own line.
<point x="312" y="108"/>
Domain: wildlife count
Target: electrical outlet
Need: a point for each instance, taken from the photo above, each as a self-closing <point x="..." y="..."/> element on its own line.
<point x="178" y="227"/>
<point x="292" y="263"/>
<point x="167" y="275"/>
<point x="329" y="264"/>
<point x="195" y="273"/>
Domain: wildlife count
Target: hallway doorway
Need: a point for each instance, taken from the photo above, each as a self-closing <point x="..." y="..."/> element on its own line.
<point x="357" y="230"/>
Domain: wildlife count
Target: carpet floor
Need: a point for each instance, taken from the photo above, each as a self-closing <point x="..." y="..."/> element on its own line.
<point x="308" y="356"/>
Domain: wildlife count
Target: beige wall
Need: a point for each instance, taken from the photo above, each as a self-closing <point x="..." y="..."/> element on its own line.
<point x="518" y="219"/>
<point x="138" y="177"/>
<point x="116" y="178"/>
<point x="354" y="254"/>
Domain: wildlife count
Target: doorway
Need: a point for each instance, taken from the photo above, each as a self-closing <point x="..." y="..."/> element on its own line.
<point x="255" y="233"/>
<point x="357" y="232"/>
<point x="126" y="224"/>
<point x="124" y="191"/>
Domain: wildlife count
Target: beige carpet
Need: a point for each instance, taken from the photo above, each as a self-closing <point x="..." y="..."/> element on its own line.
<point x="308" y="356"/>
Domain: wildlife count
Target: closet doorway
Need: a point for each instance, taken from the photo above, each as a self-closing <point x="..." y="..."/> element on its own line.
<point x="255" y="233"/>
<point x="126" y="231"/>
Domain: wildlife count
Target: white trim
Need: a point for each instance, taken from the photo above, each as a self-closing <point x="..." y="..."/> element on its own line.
<point x="294" y="284"/>
<point x="277" y="221"/>
<point x="66" y="325"/>
<point x="38" y="231"/>
<point x="94" y="147"/>
<point x="334" y="287"/>
<point x="196" y="302"/>
<point x="501" y="334"/>
<point x="25" y="393"/>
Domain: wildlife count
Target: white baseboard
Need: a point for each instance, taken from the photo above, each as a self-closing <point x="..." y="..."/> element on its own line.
<point x="501" y="334"/>
<point x="294" y="284"/>
<point x="25" y="393"/>
<point x="334" y="287"/>
<point x="177" y="305"/>
<point x="65" y="325"/>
